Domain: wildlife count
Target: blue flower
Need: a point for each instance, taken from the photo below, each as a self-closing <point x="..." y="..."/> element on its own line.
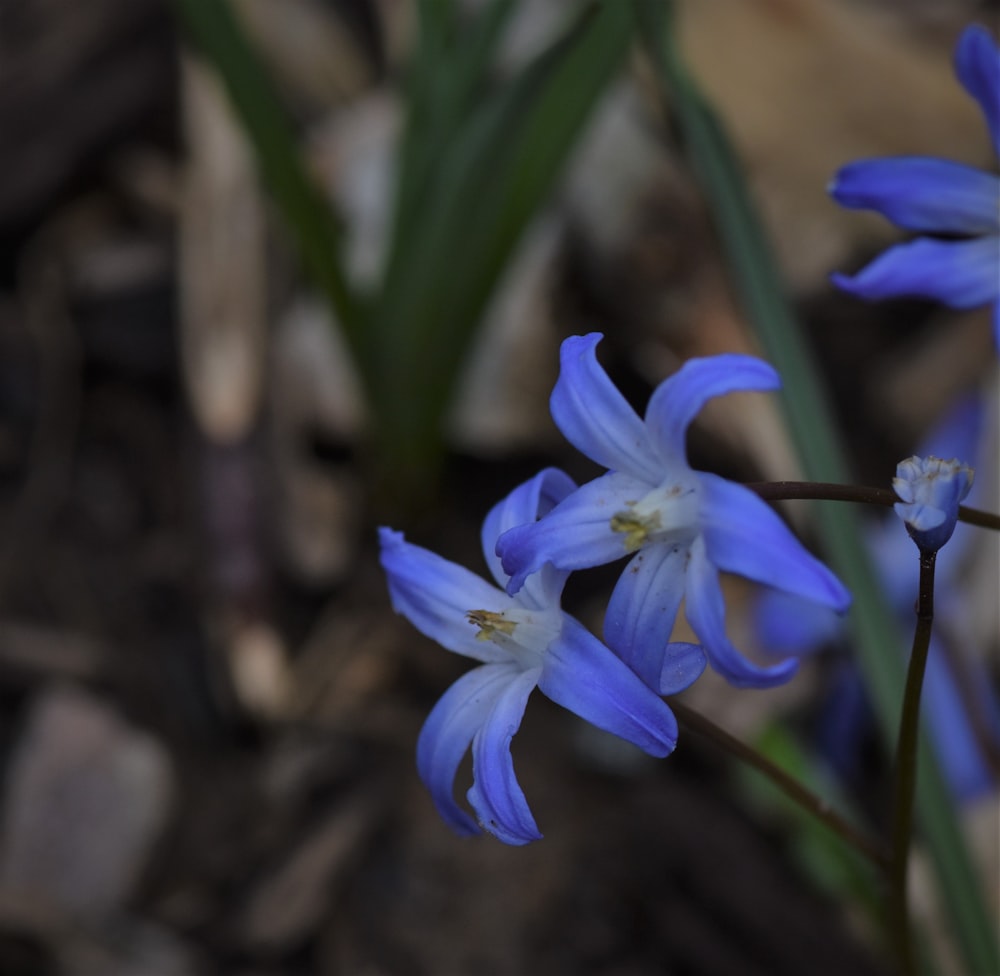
<point x="680" y="526"/>
<point x="792" y="626"/>
<point x="523" y="641"/>
<point x="930" y="491"/>
<point x="937" y="197"/>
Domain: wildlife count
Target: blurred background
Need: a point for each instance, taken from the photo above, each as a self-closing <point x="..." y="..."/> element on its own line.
<point x="208" y="712"/>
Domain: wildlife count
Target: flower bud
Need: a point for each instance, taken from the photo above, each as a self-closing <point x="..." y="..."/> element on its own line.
<point x="930" y="491"/>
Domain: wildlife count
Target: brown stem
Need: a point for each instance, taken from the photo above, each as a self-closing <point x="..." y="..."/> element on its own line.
<point x="886" y="497"/>
<point x="698" y="724"/>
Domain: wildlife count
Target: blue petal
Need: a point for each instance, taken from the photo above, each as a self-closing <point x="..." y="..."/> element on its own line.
<point x="744" y="535"/>
<point x="683" y="665"/>
<point x="706" y="612"/>
<point x="786" y="624"/>
<point x="922" y="194"/>
<point x="523" y="506"/>
<point x="435" y="595"/>
<point x="952" y="734"/>
<point x="496" y="795"/>
<point x="643" y="607"/>
<point x="977" y="64"/>
<point x="678" y="399"/>
<point x="962" y="274"/>
<point x="576" y="534"/>
<point x="593" y="415"/>
<point x="449" y="730"/>
<point x="584" y="676"/>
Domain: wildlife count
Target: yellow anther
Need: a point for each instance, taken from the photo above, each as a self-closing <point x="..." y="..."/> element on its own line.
<point x="490" y="623"/>
<point x="636" y="528"/>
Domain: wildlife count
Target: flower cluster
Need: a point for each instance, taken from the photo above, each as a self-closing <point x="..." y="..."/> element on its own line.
<point x="679" y="527"/>
<point x="523" y="642"/>
<point x="957" y="204"/>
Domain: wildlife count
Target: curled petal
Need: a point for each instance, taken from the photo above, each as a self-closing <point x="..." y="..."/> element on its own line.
<point x="523" y="506"/>
<point x="962" y="274"/>
<point x="576" y="534"/>
<point x="436" y="595"/>
<point x="679" y="398"/>
<point x="922" y="194"/>
<point x="744" y="535"/>
<point x="643" y="607"/>
<point x="584" y="676"/>
<point x="977" y="64"/>
<point x="706" y="612"/>
<point x="496" y="795"/>
<point x="593" y="415"/>
<point x="448" y="732"/>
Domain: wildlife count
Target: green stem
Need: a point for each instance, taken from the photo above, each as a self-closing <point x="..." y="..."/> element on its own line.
<point x="905" y="779"/>
<point x="788" y="490"/>
<point x="698" y="724"/>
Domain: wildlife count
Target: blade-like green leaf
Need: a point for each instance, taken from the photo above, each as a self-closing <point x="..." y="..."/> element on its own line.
<point x="448" y="74"/>
<point x="488" y="183"/>
<point x="810" y="421"/>
<point x="308" y="214"/>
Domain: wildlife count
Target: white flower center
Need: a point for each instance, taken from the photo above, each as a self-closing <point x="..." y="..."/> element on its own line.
<point x="669" y="513"/>
<point x="524" y="634"/>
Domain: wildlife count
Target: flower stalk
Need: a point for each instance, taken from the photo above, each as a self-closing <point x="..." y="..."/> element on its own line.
<point x="905" y="778"/>
<point x="886" y="497"/>
<point x="697" y="724"/>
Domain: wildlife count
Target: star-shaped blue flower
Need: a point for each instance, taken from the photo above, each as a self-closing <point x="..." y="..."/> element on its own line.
<point x="523" y="641"/>
<point x="680" y="526"/>
<point x="960" y="266"/>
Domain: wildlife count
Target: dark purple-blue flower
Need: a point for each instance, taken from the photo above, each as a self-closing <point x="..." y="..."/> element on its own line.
<point x="956" y="206"/>
<point x="523" y="642"/>
<point x="679" y="526"/>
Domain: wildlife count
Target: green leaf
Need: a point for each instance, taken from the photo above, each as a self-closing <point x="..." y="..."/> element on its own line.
<point x="810" y="420"/>
<point x="449" y="73"/>
<point x="309" y="216"/>
<point x="484" y="186"/>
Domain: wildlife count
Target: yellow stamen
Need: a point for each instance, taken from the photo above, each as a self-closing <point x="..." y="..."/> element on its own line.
<point x="490" y="623"/>
<point x="635" y="528"/>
